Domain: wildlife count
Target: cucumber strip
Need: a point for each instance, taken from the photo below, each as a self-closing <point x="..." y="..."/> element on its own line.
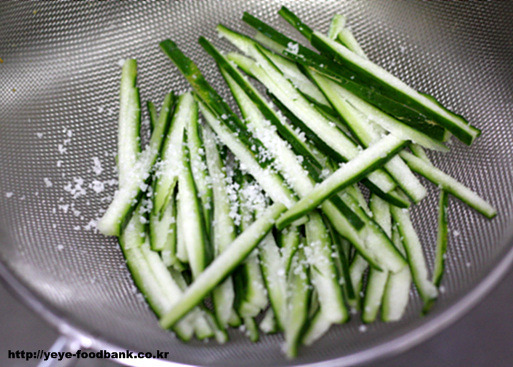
<point x="351" y="172"/>
<point x="290" y="17"/>
<point x="441" y="243"/>
<point x="251" y="329"/>
<point x="289" y="241"/>
<point x="223" y="231"/>
<point x="284" y="91"/>
<point x="367" y="135"/>
<point x="153" y="114"/>
<point x="181" y="251"/>
<point x="268" y="324"/>
<point x="275" y="278"/>
<point x="418" y="267"/>
<point x="129" y="121"/>
<point x="168" y="252"/>
<point x="419" y="152"/>
<point x="397" y="88"/>
<point x="162" y="231"/>
<point x="298" y="301"/>
<point x="269" y="37"/>
<point x="199" y="167"/>
<point x="319" y="325"/>
<point x="193" y="225"/>
<point x="377" y="279"/>
<point x="356" y="271"/>
<point x="449" y="184"/>
<point x="223" y="265"/>
<point x="323" y="272"/>
<point x="341" y="246"/>
<point x="120" y="210"/>
<point x="170" y="165"/>
<point x="251" y="296"/>
<point x="397" y="289"/>
<point x="338" y="22"/>
<point x="346" y="38"/>
<point x="270" y="181"/>
<point x="211" y="98"/>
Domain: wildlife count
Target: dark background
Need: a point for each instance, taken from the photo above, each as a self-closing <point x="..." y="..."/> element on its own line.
<point x="483" y="337"/>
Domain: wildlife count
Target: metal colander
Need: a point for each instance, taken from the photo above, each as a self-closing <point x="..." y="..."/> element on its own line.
<point x="59" y="85"/>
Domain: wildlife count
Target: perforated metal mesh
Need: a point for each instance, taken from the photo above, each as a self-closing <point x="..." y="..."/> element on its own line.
<point x="59" y="85"/>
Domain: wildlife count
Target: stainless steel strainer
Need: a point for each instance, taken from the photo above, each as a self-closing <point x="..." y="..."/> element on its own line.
<point x="59" y="84"/>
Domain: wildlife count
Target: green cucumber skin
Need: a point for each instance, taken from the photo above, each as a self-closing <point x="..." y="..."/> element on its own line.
<point x="416" y="259"/>
<point x="299" y="300"/>
<point x="201" y="246"/>
<point x="442" y="238"/>
<point x="129" y="124"/>
<point x="199" y="169"/>
<point x="152" y="114"/>
<point x="290" y="17"/>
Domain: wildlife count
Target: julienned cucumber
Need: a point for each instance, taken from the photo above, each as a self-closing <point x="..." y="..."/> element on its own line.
<point x="282" y="89"/>
<point x="129" y="120"/>
<point x="234" y="203"/>
<point x="441" y="240"/>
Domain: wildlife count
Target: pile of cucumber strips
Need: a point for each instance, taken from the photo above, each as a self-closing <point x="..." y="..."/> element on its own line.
<point x="260" y="222"/>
